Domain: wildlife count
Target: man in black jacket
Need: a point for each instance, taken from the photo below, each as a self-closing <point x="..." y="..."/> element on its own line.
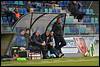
<point x="74" y="7"/>
<point x="58" y="36"/>
<point x="37" y="42"/>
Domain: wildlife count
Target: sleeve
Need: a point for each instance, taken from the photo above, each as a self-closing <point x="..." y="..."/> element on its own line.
<point x="37" y="42"/>
<point x="42" y="37"/>
<point x="53" y="27"/>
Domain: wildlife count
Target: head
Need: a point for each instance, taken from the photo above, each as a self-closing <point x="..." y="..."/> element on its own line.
<point x="27" y="30"/>
<point x="47" y="33"/>
<point x="58" y="20"/>
<point x="37" y="33"/>
<point x="22" y="32"/>
<point x="51" y="33"/>
<point x="74" y="2"/>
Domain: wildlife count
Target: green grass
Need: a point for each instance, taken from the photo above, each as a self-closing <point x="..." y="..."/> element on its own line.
<point x="75" y="61"/>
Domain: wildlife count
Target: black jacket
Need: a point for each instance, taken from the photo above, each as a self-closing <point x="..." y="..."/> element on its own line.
<point x="57" y="29"/>
<point x="36" y="40"/>
<point x="44" y="38"/>
<point x="73" y="8"/>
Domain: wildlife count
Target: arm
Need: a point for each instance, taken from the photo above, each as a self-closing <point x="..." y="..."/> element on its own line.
<point x="37" y="42"/>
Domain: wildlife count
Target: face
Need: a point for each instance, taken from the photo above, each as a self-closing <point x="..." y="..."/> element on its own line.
<point x="37" y="33"/>
<point x="51" y="33"/>
<point x="58" y="20"/>
<point x="22" y="32"/>
<point x="74" y="1"/>
<point x="47" y="33"/>
<point x="27" y="31"/>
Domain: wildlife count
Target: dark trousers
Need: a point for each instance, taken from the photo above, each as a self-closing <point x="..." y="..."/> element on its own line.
<point x="78" y="15"/>
<point x="52" y="50"/>
<point x="59" y="39"/>
<point x="38" y="48"/>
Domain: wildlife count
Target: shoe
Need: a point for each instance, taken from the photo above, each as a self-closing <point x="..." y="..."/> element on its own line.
<point x="61" y="55"/>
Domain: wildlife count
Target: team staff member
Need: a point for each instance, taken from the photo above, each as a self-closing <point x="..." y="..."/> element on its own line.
<point x="58" y="36"/>
<point x="38" y="43"/>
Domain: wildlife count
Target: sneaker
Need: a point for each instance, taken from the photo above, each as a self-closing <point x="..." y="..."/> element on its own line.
<point x="61" y="55"/>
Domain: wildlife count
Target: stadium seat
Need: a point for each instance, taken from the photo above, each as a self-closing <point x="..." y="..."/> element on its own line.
<point x="5" y="20"/>
<point x="21" y="3"/>
<point x="82" y="29"/>
<point x="25" y="11"/>
<point x="46" y="10"/>
<point x="50" y="10"/>
<point x="97" y="29"/>
<point x="11" y="2"/>
<point x="91" y="12"/>
<point x="1" y="21"/>
<point x="88" y="19"/>
<point x="61" y="4"/>
<point x="16" y="3"/>
<point x="66" y="30"/>
<point x="92" y="20"/>
<point x="69" y="19"/>
<point x="11" y="8"/>
<point x="57" y="10"/>
<point x="20" y="10"/>
<point x="96" y="20"/>
<point x="74" y="30"/>
<point x="87" y="11"/>
<point x="53" y="10"/>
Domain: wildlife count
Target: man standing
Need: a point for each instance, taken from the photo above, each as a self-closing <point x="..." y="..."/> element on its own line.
<point x="58" y="36"/>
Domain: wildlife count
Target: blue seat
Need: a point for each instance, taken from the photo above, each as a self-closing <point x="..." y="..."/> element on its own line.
<point x="46" y="10"/>
<point x="20" y="10"/>
<point x="25" y="11"/>
<point x="87" y="11"/>
<point x="91" y="12"/>
<point x="74" y="30"/>
<point x="97" y="29"/>
<point x="5" y="20"/>
<point x="96" y="20"/>
<point x="82" y="30"/>
<point x="1" y="21"/>
<point x="69" y="19"/>
<point x="11" y="2"/>
<point x="53" y="10"/>
<point x="57" y="10"/>
<point x="21" y="3"/>
<point x="84" y="19"/>
<point x="16" y="3"/>
<point x="92" y="20"/>
<point x="50" y="10"/>
<point x="11" y="8"/>
<point x="88" y="19"/>
<point x="66" y="3"/>
<point x="66" y="30"/>
<point x="84" y="10"/>
<point x="61" y="4"/>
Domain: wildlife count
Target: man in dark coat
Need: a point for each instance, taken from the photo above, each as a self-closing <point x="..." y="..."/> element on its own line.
<point x="58" y="36"/>
<point x="74" y="7"/>
<point x="38" y="43"/>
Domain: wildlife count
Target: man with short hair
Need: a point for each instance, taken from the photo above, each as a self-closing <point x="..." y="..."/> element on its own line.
<point x="39" y="43"/>
<point x="58" y="36"/>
